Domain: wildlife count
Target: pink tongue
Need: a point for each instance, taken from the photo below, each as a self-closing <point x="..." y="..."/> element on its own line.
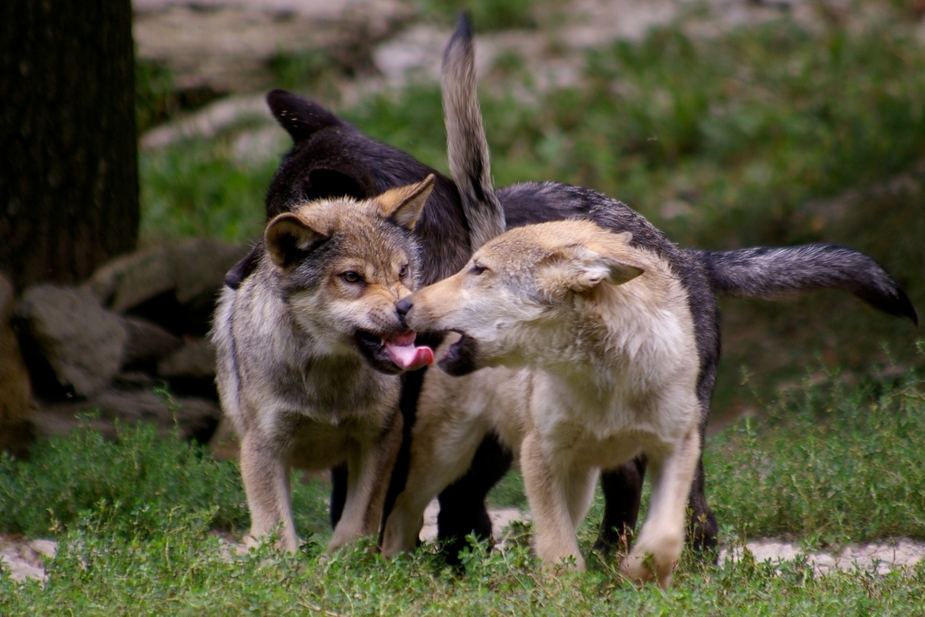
<point x="404" y="354"/>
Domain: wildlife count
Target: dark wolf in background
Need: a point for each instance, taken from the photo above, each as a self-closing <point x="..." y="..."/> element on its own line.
<point x="330" y="157"/>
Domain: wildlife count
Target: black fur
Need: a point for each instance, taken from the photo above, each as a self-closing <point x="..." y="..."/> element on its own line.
<point x="331" y="158"/>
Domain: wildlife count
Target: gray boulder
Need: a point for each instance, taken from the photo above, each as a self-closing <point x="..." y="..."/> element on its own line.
<point x="189" y="268"/>
<point x="195" y="359"/>
<point x="81" y="341"/>
<point x="194" y="417"/>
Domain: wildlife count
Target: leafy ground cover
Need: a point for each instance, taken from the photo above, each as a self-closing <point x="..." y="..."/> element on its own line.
<point x="143" y="524"/>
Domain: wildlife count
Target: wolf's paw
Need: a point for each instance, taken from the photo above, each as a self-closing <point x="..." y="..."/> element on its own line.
<point x="251" y="542"/>
<point x="567" y="563"/>
<point x="647" y="562"/>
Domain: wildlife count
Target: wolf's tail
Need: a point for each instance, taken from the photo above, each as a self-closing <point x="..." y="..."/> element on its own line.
<point x="770" y="272"/>
<point x="466" y="144"/>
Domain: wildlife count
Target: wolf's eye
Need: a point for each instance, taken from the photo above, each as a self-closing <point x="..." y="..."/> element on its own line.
<point x="351" y="276"/>
<point x="477" y="269"/>
<point x="403" y="271"/>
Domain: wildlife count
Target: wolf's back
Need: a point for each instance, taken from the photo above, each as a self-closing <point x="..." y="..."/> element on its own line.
<point x="775" y="272"/>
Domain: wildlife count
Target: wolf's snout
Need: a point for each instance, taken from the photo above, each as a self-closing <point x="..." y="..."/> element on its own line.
<point x="403" y="306"/>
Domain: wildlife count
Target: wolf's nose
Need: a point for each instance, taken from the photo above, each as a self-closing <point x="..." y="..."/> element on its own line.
<point x="403" y="306"/>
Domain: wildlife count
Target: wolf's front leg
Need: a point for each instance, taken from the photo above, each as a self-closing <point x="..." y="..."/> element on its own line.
<point x="442" y="448"/>
<point x="662" y="535"/>
<point x="362" y="471"/>
<point x="369" y="465"/>
<point x="266" y="483"/>
<point x="558" y="500"/>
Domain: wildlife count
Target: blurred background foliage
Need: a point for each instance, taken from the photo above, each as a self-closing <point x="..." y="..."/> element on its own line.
<point x="771" y="133"/>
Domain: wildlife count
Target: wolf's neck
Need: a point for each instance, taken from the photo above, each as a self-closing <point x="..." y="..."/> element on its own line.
<point x="610" y="344"/>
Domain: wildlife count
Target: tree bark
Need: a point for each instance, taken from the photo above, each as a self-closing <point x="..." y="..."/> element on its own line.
<point x="68" y="148"/>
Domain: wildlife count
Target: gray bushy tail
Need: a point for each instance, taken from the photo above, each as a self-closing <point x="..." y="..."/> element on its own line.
<point x="467" y="147"/>
<point x="771" y="272"/>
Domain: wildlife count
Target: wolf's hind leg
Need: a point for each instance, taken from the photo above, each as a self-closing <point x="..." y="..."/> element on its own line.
<point x="703" y="528"/>
<point x="462" y="504"/>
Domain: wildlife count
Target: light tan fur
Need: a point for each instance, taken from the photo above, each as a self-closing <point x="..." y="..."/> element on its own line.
<point x="596" y="362"/>
<point x="291" y="375"/>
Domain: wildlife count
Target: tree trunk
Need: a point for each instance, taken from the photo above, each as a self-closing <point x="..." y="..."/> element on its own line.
<point x="68" y="153"/>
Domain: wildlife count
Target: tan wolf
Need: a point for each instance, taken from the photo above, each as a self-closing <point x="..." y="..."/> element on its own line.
<point x="598" y="351"/>
<point x="309" y="349"/>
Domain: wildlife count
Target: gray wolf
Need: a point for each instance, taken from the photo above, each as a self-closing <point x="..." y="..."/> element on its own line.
<point x="599" y="351"/>
<point x="756" y="272"/>
<point x="309" y="349"/>
<point x="331" y="158"/>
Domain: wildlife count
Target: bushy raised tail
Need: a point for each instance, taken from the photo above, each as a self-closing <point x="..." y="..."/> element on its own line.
<point x="466" y="144"/>
<point x="772" y="272"/>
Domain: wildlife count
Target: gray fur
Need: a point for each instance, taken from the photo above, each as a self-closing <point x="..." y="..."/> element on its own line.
<point x="467" y="147"/>
<point x="775" y="272"/>
<point x="304" y="348"/>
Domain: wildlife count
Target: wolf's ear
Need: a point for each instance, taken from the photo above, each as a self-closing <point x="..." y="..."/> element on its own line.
<point x="615" y="272"/>
<point x="288" y="239"/>
<point x="578" y="269"/>
<point x="300" y="117"/>
<point x="404" y="204"/>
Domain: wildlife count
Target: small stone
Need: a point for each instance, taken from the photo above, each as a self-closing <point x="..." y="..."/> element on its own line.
<point x="189" y="268"/>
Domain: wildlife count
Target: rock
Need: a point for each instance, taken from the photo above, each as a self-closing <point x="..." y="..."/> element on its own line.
<point x="173" y="285"/>
<point x="81" y="341"/>
<point x="15" y="388"/>
<point x="146" y="342"/>
<point x="190" y="267"/>
<point x="196" y="359"/>
<point x="22" y="560"/>
<point x="196" y="418"/>
<point x="229" y="48"/>
<point x="213" y="119"/>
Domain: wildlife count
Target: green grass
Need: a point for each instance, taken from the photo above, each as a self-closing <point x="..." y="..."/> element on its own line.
<point x="197" y="188"/>
<point x="136" y="520"/>
<point x="829" y="464"/>
<point x="190" y="576"/>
